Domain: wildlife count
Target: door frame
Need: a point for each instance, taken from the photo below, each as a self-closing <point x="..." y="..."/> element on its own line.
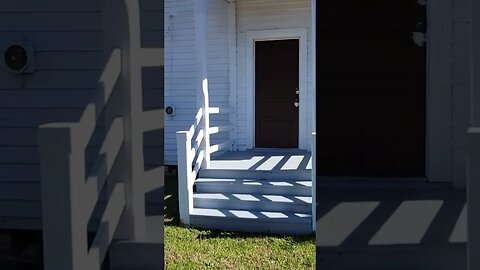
<point x="277" y="34"/>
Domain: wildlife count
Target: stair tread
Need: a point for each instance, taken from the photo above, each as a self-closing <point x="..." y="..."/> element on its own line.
<point x="253" y="215"/>
<point x="255" y="182"/>
<point x="243" y="197"/>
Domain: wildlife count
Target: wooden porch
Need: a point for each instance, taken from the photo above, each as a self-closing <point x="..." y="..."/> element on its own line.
<point x="262" y="190"/>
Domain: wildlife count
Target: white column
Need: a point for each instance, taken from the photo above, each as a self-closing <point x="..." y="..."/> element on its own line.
<point x="313" y="55"/>
<point x="232" y="59"/>
<point x="473" y="171"/>
<point x="202" y="79"/>
<point x="313" y="51"/>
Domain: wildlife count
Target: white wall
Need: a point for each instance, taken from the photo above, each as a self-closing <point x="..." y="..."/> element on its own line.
<point x="180" y="67"/>
<point x="266" y="15"/>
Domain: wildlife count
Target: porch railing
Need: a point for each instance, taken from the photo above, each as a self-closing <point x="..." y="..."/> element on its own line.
<point x="192" y="152"/>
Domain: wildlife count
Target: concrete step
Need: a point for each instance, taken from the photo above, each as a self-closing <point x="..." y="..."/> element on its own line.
<point x="254" y="186"/>
<point x="129" y="255"/>
<point x="255" y="202"/>
<point x="251" y="221"/>
<point x="297" y="175"/>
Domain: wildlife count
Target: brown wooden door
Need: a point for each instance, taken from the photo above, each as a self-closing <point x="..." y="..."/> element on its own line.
<point x="276" y="83"/>
<point x="371" y="88"/>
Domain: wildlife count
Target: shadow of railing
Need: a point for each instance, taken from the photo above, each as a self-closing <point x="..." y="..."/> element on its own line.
<point x="414" y="228"/>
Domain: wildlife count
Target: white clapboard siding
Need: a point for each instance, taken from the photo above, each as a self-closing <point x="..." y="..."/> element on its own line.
<point x="180" y="68"/>
<point x="69" y="59"/>
<point x="67" y="38"/>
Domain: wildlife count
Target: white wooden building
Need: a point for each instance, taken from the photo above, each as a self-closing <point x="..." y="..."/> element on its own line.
<point x="404" y="121"/>
<point x="246" y="156"/>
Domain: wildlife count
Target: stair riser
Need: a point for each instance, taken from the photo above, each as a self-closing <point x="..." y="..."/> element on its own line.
<point x="258" y="206"/>
<point x="252" y="226"/>
<point x="257" y="175"/>
<point x="245" y="189"/>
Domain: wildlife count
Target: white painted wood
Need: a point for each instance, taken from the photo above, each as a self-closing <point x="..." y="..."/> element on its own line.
<point x="108" y="225"/>
<point x="313" y="57"/>
<point x="153" y="178"/>
<point x="220" y="146"/>
<point x="232" y="60"/>
<point x="277" y="34"/>
<point x="202" y="76"/>
<point x="180" y="58"/>
<point x="313" y="50"/>
<point x="257" y="15"/>
<point x="184" y="173"/>
<point x="214" y="130"/>
<point x="152" y="120"/>
<point x="137" y="58"/>
<point x="473" y="159"/>
<point x="473" y="200"/>
<point x="103" y="166"/>
<point x="439" y="83"/>
<point x="64" y="230"/>
<point x="475" y="64"/>
<point x="314" y="181"/>
<point x="217" y="110"/>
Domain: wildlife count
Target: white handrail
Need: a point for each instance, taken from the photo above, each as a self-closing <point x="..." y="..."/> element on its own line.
<point x="190" y="157"/>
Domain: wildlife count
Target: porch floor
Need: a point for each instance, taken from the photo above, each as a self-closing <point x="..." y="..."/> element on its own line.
<point x="382" y="225"/>
<point x="263" y="160"/>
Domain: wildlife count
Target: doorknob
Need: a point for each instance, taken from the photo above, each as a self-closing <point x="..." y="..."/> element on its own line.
<point x="296" y="103"/>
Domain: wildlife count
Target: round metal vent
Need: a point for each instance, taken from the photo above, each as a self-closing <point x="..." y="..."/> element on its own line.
<point x="16" y="58"/>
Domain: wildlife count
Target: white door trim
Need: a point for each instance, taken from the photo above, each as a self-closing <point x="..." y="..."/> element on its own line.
<point x="277" y="34"/>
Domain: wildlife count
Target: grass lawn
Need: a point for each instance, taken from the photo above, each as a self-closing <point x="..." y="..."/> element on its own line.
<point x="187" y="248"/>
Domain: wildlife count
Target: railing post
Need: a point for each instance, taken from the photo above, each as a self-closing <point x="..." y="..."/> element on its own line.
<point x="62" y="184"/>
<point x="185" y="192"/>
<point x="314" y="181"/>
<point x="473" y="198"/>
<point x="202" y="78"/>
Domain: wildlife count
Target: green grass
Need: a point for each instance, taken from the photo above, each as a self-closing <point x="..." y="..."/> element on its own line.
<point x="187" y="248"/>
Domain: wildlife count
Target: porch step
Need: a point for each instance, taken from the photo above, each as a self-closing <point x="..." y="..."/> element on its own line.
<point x="255" y="202"/>
<point x="297" y="175"/>
<point x="251" y="221"/>
<point x="254" y="186"/>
